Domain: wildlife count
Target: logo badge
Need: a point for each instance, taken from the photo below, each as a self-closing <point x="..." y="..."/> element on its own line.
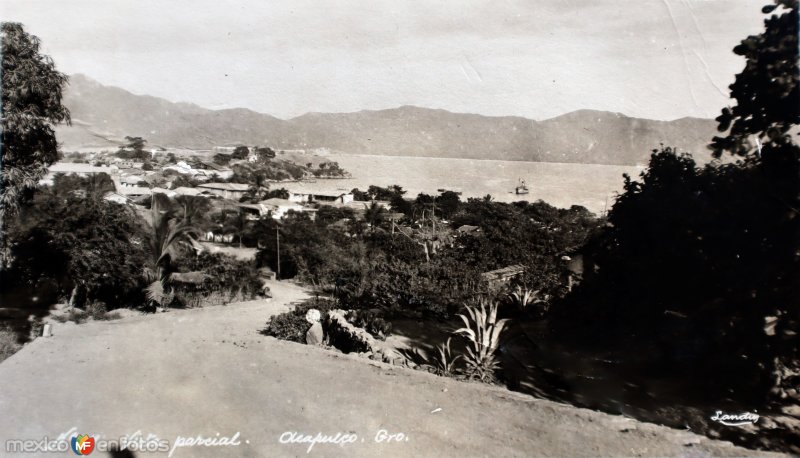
<point x="82" y="445"/>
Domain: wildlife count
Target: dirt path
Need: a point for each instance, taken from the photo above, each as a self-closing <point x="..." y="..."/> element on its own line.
<point x="208" y="372"/>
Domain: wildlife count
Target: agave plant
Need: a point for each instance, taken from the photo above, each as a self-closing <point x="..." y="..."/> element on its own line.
<point x="482" y="330"/>
<point x="441" y="363"/>
<point x="523" y="297"/>
<point x="444" y="363"/>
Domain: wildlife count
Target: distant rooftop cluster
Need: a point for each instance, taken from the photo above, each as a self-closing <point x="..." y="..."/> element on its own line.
<point x="133" y="181"/>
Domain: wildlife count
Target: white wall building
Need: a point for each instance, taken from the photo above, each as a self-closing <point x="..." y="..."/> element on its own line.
<point x="279" y="207"/>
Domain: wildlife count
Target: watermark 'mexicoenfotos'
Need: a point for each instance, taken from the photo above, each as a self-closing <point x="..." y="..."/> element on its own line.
<point x="85" y="444"/>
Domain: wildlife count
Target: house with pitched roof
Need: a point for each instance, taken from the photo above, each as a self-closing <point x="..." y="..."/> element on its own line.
<point x="233" y="191"/>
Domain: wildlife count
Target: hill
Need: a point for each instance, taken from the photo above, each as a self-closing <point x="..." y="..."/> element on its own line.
<point x="104" y="115"/>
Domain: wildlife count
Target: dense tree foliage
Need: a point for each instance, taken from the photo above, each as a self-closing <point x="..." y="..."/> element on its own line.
<point x="378" y="193"/>
<point x="447" y="203"/>
<point x="691" y="267"/>
<point x="308" y="250"/>
<point x="94" y="186"/>
<point x="69" y="241"/>
<point x="264" y="153"/>
<point x="222" y="159"/>
<point x="328" y="169"/>
<point x="766" y="91"/>
<point x="232" y="222"/>
<point x="263" y="172"/>
<point x="535" y="235"/>
<point x="422" y="268"/>
<point x="31" y="106"/>
<point x="223" y="279"/>
<point x="240" y="152"/>
<point x="700" y="267"/>
<point x="134" y="149"/>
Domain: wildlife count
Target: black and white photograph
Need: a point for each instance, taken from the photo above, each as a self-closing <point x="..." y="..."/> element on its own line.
<point x="399" y="228"/>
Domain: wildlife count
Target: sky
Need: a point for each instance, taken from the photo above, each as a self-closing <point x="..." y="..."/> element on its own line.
<point x="657" y="59"/>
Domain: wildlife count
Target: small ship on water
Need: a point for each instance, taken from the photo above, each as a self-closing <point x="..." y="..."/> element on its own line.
<point x="521" y="188"/>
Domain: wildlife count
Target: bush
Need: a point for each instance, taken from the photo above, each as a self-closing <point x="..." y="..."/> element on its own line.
<point x="389" y="268"/>
<point x="288" y="326"/>
<point x="371" y="322"/>
<point x="292" y="325"/>
<point x="695" y="261"/>
<point x="444" y="362"/>
<point x="36" y="328"/>
<point x="9" y="343"/>
<point x="97" y="310"/>
<point x="227" y="280"/>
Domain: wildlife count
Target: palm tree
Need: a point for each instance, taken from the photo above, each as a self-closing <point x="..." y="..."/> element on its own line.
<point x="168" y="229"/>
<point x="191" y="208"/>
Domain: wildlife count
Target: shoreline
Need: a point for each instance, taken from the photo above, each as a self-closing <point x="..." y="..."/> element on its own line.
<point x="642" y="166"/>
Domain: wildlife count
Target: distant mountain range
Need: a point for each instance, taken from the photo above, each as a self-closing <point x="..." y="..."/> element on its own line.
<point x="104" y="115"/>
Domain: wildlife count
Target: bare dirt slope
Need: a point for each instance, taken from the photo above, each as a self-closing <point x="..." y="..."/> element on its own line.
<point x="208" y="372"/>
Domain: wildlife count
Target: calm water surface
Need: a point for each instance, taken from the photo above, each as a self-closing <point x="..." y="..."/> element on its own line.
<point x="591" y="185"/>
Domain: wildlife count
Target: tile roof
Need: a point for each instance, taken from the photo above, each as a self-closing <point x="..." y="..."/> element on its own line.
<point x="226" y="186"/>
